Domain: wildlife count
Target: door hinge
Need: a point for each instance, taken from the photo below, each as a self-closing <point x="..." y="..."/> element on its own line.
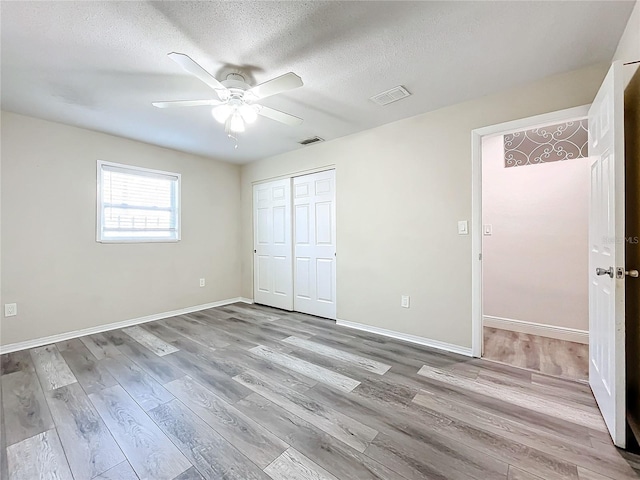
<point x="479" y="256"/>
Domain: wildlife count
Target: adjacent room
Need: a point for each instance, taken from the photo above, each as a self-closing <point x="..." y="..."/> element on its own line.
<point x="328" y="240"/>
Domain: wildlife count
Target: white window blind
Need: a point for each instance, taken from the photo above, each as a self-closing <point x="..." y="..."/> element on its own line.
<point x="137" y="204"/>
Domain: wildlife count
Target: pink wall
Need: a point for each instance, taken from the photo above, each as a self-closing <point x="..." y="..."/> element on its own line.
<point x="535" y="262"/>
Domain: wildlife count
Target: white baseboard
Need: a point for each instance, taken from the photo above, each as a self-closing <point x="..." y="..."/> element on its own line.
<point x="61" y="337"/>
<point x="531" y="328"/>
<point x="427" y="342"/>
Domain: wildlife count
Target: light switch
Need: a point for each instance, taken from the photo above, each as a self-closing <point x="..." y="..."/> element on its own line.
<point x="487" y="229"/>
<point x="463" y="227"/>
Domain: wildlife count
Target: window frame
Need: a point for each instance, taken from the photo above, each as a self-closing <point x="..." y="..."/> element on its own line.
<point x="144" y="171"/>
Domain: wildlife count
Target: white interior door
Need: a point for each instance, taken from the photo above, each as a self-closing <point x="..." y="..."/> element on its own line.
<point x="314" y="209"/>
<point x="272" y="269"/>
<point x="606" y="244"/>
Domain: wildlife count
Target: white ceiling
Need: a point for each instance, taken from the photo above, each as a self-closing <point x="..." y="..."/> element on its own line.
<point x="99" y="65"/>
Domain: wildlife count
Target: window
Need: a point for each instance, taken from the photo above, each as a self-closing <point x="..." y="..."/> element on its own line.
<point x="137" y="204"/>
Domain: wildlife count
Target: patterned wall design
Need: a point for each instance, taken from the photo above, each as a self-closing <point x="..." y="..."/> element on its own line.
<point x="564" y="141"/>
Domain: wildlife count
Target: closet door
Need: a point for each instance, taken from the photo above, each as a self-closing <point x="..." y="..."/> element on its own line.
<point x="272" y="269"/>
<point x="314" y="212"/>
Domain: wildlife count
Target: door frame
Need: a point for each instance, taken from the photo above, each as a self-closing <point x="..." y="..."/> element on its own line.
<point x="559" y="116"/>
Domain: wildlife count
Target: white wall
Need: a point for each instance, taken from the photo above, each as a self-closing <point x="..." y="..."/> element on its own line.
<point x="535" y="263"/>
<point x="53" y="268"/>
<point x="401" y="188"/>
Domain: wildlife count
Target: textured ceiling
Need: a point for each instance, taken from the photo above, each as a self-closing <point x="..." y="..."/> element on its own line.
<point x="99" y="65"/>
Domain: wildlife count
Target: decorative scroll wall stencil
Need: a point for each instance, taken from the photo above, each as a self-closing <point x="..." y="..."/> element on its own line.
<point x="564" y="141"/>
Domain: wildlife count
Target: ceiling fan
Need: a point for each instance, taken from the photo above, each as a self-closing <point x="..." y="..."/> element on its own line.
<point x="235" y="103"/>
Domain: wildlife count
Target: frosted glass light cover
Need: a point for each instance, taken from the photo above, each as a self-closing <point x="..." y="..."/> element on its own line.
<point x="249" y="113"/>
<point x="222" y="112"/>
<point x="236" y="124"/>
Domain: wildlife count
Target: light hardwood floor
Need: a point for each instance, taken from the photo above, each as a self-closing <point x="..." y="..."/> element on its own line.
<point x="546" y="355"/>
<point x="246" y="393"/>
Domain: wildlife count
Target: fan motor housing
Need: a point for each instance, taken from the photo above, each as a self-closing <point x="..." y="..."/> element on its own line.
<point x="235" y="81"/>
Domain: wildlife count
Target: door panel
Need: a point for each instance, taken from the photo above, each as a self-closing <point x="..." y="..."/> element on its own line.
<point x="315" y="244"/>
<point x="273" y="268"/>
<point x="606" y="240"/>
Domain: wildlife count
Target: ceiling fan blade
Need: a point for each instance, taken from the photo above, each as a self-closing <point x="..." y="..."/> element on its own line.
<point x="186" y="103"/>
<point x="279" y="116"/>
<point x="189" y="65"/>
<point x="280" y="84"/>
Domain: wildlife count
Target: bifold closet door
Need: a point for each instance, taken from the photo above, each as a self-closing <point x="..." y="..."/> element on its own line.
<point x="314" y="220"/>
<point x="272" y="269"/>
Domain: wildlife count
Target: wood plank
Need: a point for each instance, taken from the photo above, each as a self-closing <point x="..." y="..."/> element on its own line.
<point x="91" y="373"/>
<point x="144" y="389"/>
<point x="16" y="362"/>
<point x="321" y="374"/>
<point x="51" y="368"/>
<point x="258" y="444"/>
<point x="100" y="347"/>
<point x="516" y="474"/>
<point x="38" y="457"/>
<point x="198" y="331"/>
<point x="155" y="366"/>
<point x="25" y="411"/>
<point x="341" y="460"/>
<point x="416" y="459"/>
<point x="150" y="341"/>
<point x="191" y="474"/>
<point x="245" y="360"/>
<point x="292" y="465"/>
<point x="209" y="452"/>
<point x="343" y="428"/>
<point x="257" y="314"/>
<point x="353" y="359"/>
<point x="216" y="381"/>
<point x="148" y="450"/>
<point x="526" y="434"/>
<point x="531" y="401"/>
<point x="122" y="471"/>
<point x="584" y="474"/>
<point x="78" y="424"/>
<point x="172" y="330"/>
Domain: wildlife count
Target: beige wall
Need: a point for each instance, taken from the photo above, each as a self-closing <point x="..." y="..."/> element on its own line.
<point x="535" y="263"/>
<point x="629" y="46"/>
<point x="60" y="277"/>
<point x="401" y="188"/>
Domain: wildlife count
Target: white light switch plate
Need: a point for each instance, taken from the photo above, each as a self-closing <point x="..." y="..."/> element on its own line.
<point x="404" y="301"/>
<point x="487" y="229"/>
<point x="202" y="282"/>
<point x="463" y="227"/>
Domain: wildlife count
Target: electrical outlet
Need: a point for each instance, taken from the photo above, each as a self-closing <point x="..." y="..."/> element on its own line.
<point x="404" y="301"/>
<point x="202" y="282"/>
<point x="10" y="309"/>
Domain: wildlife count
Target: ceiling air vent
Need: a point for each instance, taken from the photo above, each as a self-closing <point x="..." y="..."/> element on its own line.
<point x="311" y="140"/>
<point x="392" y="95"/>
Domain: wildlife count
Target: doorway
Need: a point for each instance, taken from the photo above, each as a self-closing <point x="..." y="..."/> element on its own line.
<point x="535" y="208"/>
<point x="295" y="243"/>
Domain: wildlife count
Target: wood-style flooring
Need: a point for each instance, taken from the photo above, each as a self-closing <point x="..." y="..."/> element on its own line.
<point x="551" y="356"/>
<point x="245" y="392"/>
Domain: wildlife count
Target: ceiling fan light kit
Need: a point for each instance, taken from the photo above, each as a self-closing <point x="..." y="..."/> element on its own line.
<point x="235" y="103"/>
